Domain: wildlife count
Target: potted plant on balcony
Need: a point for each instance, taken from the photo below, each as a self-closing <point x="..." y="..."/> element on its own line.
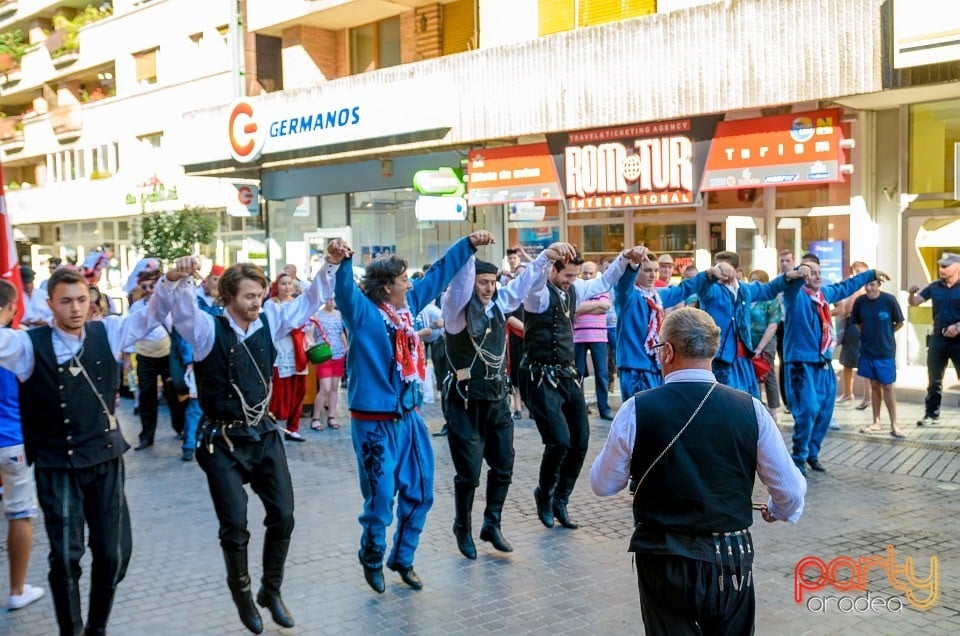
<point x="13" y="46"/>
<point x="65" y="38"/>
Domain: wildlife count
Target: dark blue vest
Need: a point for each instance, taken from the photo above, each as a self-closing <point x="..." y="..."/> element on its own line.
<point x="704" y="483"/>
<point x="486" y="383"/>
<point x="548" y="337"/>
<point x="64" y="424"/>
<point x="229" y="363"/>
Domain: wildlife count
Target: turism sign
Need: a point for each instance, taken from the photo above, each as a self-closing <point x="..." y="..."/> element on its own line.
<point x="645" y="165"/>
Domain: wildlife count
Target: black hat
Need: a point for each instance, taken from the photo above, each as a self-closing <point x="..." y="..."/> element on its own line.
<point x="483" y="267"/>
<point x="26" y="274"/>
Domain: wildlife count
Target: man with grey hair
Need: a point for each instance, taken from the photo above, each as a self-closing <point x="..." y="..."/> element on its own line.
<point x="693" y="488"/>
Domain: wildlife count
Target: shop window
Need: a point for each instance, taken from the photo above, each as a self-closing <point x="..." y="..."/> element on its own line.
<point x="799" y="233"/>
<point x="742" y="199"/>
<point x="826" y="194"/>
<point x="374" y="46"/>
<point x="146" y="66"/>
<point x="677" y="239"/>
<point x="934" y="129"/>
<point x="595" y="242"/>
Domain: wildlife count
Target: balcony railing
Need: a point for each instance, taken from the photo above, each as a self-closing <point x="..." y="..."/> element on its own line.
<point x="67" y="122"/>
<point x="11" y="129"/>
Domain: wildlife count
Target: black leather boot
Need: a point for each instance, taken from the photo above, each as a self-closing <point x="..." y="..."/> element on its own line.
<point x="490" y="531"/>
<point x="560" y="499"/>
<point x="544" y="507"/>
<point x="238" y="580"/>
<point x="274" y="558"/>
<point x="101" y="602"/>
<point x="66" y="603"/>
<point x="461" y="525"/>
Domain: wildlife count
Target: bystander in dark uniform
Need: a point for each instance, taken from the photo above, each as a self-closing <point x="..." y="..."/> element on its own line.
<point x="233" y="356"/>
<point x="478" y="410"/>
<point x="68" y="387"/>
<point x="690" y="450"/>
<point x="943" y="345"/>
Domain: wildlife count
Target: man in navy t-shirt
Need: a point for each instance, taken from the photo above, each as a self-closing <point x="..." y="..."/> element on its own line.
<point x="878" y="316"/>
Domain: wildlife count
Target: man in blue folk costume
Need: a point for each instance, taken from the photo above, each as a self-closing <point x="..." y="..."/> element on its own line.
<point x="728" y="303"/>
<point x="386" y="369"/>
<point x="640" y="313"/>
<point x="808" y="351"/>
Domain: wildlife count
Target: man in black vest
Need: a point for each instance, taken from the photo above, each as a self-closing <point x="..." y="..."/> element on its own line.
<point x="552" y="385"/>
<point x="75" y="443"/>
<point x="233" y="356"/>
<point x="690" y="449"/>
<point x="476" y="388"/>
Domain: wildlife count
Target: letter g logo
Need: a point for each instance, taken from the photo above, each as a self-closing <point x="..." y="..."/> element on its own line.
<point x="246" y="137"/>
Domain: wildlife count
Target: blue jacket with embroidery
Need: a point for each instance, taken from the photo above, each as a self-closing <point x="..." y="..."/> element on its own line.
<point x="633" y="317"/>
<point x="727" y="311"/>
<point x="802" y="331"/>
<point x="375" y="385"/>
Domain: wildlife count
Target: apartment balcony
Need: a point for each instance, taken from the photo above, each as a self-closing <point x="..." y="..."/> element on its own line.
<point x="66" y="122"/>
<point x="11" y="134"/>
<point x="270" y="17"/>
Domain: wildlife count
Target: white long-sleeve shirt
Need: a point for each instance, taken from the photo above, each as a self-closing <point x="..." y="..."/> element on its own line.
<point x="458" y="294"/>
<point x="197" y="327"/>
<point x="537" y="301"/>
<point x="16" y="348"/>
<point x="610" y="472"/>
<point x="35" y="307"/>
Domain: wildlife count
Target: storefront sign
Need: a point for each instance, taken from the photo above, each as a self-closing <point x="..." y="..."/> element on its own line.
<point x="831" y="258"/>
<point x="796" y="149"/>
<point x="275" y="123"/>
<point x="512" y="174"/>
<point x="245" y="200"/>
<point x="430" y="208"/>
<point x="439" y="182"/>
<point x="924" y="33"/>
<point x="526" y="211"/>
<point x="646" y="165"/>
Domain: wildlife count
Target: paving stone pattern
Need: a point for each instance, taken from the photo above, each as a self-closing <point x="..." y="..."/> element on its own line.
<point x="878" y="491"/>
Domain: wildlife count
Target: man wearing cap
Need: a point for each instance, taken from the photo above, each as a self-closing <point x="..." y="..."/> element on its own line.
<point x="208" y="296"/>
<point x="476" y="388"/>
<point x="36" y="311"/>
<point x="943" y="344"/>
<point x="665" y="265"/>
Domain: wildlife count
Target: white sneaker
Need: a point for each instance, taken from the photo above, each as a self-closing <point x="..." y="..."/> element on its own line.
<point x="928" y="421"/>
<point x="834" y="425"/>
<point x="30" y="594"/>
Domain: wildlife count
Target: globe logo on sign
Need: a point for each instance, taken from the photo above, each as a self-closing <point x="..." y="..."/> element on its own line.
<point x="802" y="129"/>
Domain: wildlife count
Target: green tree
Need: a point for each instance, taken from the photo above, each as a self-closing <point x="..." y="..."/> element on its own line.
<point x="170" y="235"/>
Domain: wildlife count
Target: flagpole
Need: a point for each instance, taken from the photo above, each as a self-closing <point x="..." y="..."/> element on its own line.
<point x="9" y="263"/>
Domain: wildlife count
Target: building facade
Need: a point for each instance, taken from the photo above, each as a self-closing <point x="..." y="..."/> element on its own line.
<point x="89" y="93"/>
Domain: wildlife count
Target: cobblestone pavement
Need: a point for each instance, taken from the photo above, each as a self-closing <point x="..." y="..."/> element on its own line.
<point x="878" y="491"/>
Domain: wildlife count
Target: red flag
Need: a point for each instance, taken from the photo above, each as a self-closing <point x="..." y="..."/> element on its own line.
<point x="9" y="264"/>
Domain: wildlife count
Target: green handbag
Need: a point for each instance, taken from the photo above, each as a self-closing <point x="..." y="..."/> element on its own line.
<point x="321" y="351"/>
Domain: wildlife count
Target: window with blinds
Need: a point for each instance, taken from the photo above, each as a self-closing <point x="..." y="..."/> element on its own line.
<point x="146" y="64"/>
<point x="556" y="16"/>
<point x="564" y="15"/>
<point x="458" y="27"/>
